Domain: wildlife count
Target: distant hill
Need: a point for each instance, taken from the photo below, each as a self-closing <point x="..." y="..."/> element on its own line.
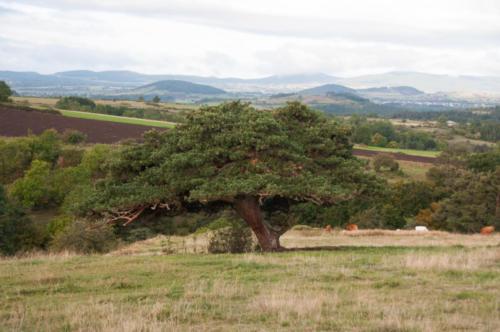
<point x="425" y="82"/>
<point x="326" y="89"/>
<point x="402" y="90"/>
<point x="294" y="79"/>
<point x="177" y="87"/>
<point x="20" y="80"/>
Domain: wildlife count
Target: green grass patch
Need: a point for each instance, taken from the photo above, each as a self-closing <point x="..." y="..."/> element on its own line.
<point x="420" y="153"/>
<point x="118" y="119"/>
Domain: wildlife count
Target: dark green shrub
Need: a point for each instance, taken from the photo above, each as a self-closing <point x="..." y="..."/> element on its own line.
<point x="95" y="160"/>
<point x="484" y="162"/>
<point x="70" y="157"/>
<point x="46" y="146"/>
<point x="385" y="162"/>
<point x="17" y="230"/>
<point x="85" y="237"/>
<point x="66" y="180"/>
<point x="472" y="203"/>
<point x="16" y="154"/>
<point x="76" y="103"/>
<point x="234" y="239"/>
<point x="15" y="158"/>
<point x="34" y="189"/>
<point x="72" y="136"/>
<point x="58" y="224"/>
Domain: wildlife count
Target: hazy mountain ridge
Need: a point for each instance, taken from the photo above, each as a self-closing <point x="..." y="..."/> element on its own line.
<point x="177" y="86"/>
<point x="328" y="88"/>
<point x="278" y="83"/>
<point x="428" y="83"/>
<point x="403" y="90"/>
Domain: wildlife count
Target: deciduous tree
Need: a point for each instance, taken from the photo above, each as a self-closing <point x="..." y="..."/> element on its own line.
<point x="5" y="91"/>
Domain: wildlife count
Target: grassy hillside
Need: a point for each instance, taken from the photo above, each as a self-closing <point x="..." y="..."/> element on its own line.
<point x="411" y="171"/>
<point x="354" y="288"/>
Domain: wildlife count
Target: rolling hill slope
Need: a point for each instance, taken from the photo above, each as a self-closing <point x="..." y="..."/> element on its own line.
<point x="177" y="87"/>
<point x="327" y="88"/>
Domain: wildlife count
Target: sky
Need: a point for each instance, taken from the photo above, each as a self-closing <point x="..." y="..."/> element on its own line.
<point x="234" y="38"/>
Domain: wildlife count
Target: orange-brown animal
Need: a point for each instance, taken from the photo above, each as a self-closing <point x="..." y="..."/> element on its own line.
<point x="487" y="230"/>
<point x="351" y="227"/>
<point x="328" y="228"/>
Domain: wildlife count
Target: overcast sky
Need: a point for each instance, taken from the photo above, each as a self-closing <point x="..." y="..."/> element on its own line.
<point x="252" y="38"/>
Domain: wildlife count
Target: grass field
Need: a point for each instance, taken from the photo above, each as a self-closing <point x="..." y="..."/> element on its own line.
<point x="119" y="119"/>
<point x="51" y="102"/>
<point x="374" y="281"/>
<point x="421" y="153"/>
<point x="412" y="170"/>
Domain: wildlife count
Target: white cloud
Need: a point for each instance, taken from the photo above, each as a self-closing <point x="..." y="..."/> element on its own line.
<point x="252" y="38"/>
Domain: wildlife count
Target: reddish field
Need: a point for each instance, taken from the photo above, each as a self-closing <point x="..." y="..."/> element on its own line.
<point x="16" y="122"/>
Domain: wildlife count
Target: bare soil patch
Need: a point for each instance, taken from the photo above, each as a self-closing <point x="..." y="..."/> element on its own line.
<point x="20" y="122"/>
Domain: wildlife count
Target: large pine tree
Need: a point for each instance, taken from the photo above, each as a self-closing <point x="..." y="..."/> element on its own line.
<point x="258" y="162"/>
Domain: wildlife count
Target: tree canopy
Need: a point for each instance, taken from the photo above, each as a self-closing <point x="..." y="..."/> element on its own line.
<point x="5" y="91"/>
<point x="260" y="163"/>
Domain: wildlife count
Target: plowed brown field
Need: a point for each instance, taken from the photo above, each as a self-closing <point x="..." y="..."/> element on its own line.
<point x="17" y="122"/>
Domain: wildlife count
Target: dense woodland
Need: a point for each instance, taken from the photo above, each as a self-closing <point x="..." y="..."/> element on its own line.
<point x="228" y="164"/>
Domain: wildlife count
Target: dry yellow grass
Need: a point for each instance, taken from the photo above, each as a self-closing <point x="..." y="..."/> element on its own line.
<point x="377" y="238"/>
<point x="317" y="237"/>
<point x="402" y="281"/>
<point x="464" y="261"/>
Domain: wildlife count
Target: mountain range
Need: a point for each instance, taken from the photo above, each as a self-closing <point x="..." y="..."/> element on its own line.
<point x="87" y="81"/>
<point x="400" y="89"/>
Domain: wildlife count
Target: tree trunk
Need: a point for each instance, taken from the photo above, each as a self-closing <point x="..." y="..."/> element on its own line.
<point x="248" y="208"/>
<point x="497" y="209"/>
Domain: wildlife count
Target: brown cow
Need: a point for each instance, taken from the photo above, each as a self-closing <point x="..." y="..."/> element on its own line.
<point x="351" y="227"/>
<point x="487" y="230"/>
<point x="328" y="229"/>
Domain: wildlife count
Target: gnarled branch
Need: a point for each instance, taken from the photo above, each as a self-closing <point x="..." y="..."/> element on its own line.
<point x="128" y="215"/>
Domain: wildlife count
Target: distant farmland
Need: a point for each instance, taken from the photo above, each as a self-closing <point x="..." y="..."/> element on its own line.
<point x="103" y="128"/>
<point x="16" y="122"/>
